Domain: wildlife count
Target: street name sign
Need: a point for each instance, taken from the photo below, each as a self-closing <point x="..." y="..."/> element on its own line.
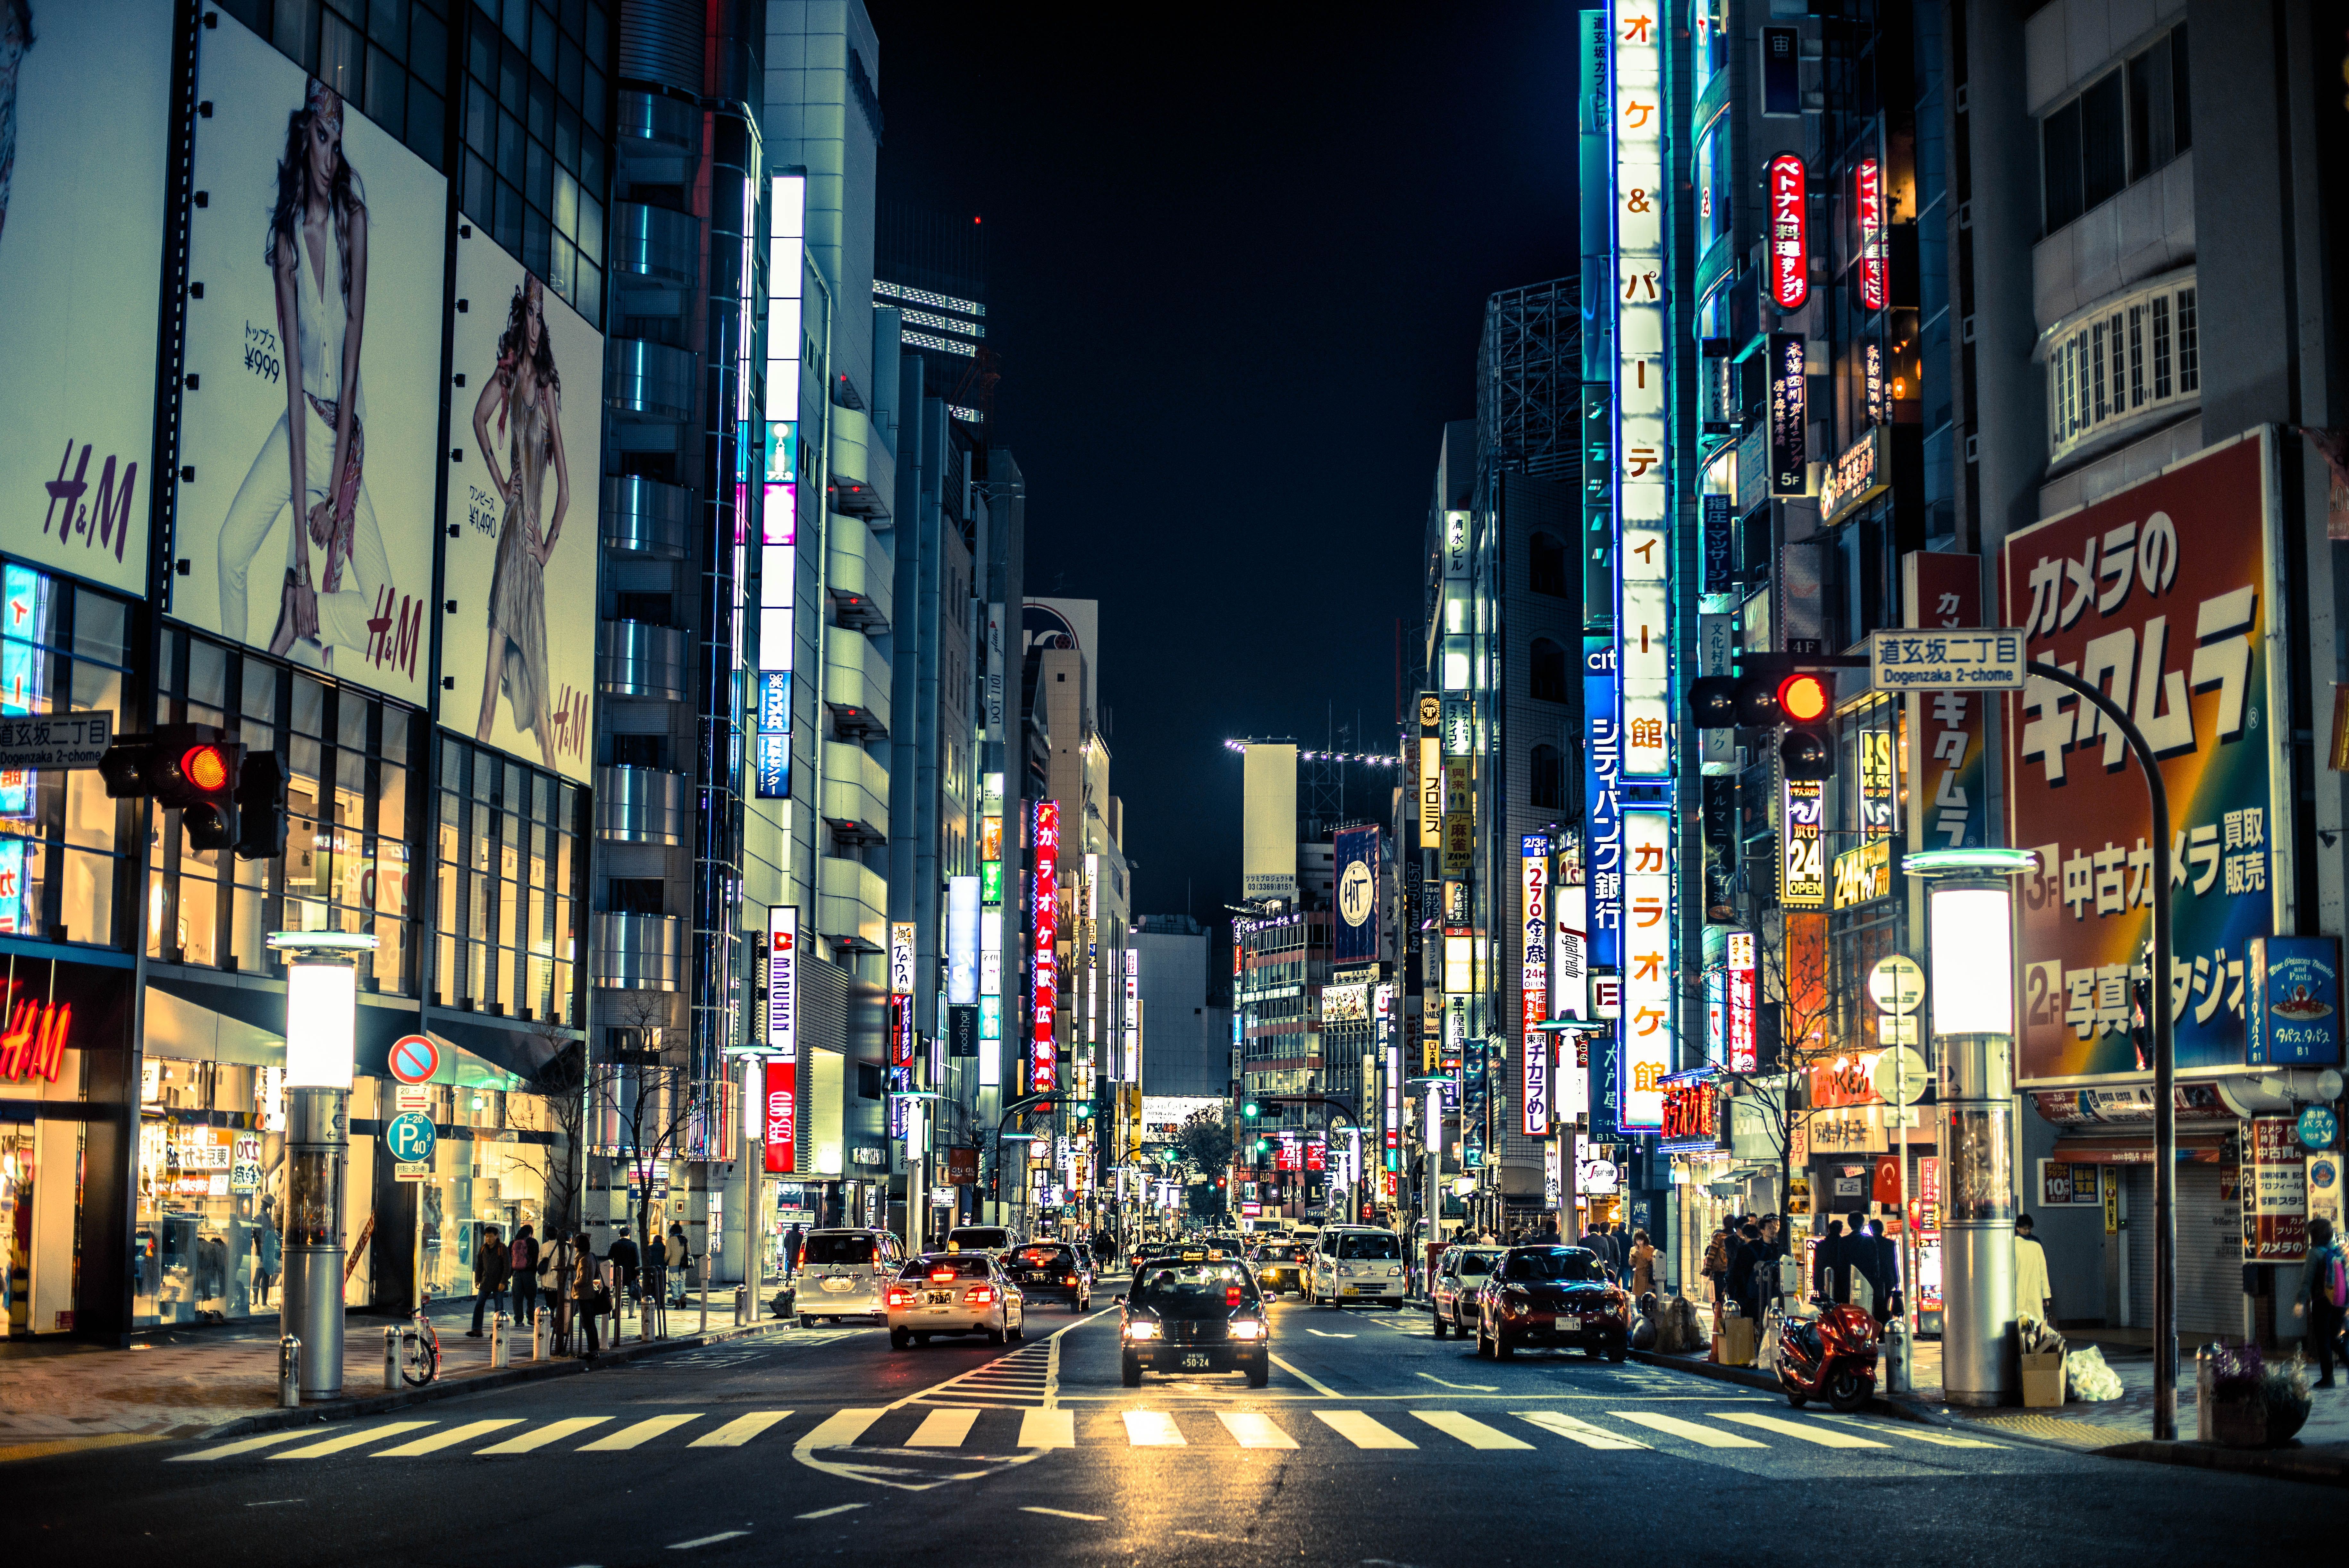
<point x="1987" y="658"/>
<point x="55" y="740"/>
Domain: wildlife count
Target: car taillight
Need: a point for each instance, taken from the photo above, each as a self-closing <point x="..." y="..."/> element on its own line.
<point x="979" y="1294"/>
<point x="942" y="1277"/>
<point x="901" y="1298"/>
<point x="1231" y="1295"/>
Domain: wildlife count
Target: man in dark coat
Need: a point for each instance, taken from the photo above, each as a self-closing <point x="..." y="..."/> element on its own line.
<point x="1830" y="1265"/>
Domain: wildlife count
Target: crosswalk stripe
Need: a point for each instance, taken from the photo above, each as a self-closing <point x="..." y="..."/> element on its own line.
<point x="1363" y="1431"/>
<point x="1253" y="1430"/>
<point x="1048" y="1429"/>
<point x="1152" y="1429"/>
<point x="841" y="1428"/>
<point x="1470" y="1430"/>
<point x="739" y="1430"/>
<point x="627" y="1437"/>
<point x="433" y="1442"/>
<point x="1580" y="1431"/>
<point x="1694" y="1431"/>
<point x="538" y="1437"/>
<point x="943" y="1430"/>
<point x="1921" y="1435"/>
<point x="1817" y="1432"/>
<point x="335" y="1445"/>
<point x="242" y="1446"/>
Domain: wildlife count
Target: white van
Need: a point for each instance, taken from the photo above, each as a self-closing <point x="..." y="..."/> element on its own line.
<point x="846" y="1273"/>
<point x="1355" y="1265"/>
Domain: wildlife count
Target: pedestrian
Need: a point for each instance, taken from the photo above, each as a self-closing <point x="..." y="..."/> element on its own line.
<point x="1830" y="1279"/>
<point x="490" y="1270"/>
<point x="2034" y="1296"/>
<point x="2324" y="1294"/>
<point x="1643" y="1265"/>
<point x="1887" y="1279"/>
<point x="622" y="1258"/>
<point x="1738" y="1284"/>
<point x="1594" y="1239"/>
<point x="1716" y="1266"/>
<point x="1761" y="1256"/>
<point x="558" y="1277"/>
<point x="1548" y="1236"/>
<point x="653" y="1271"/>
<point x="589" y="1298"/>
<point x="678" y="1255"/>
<point x="267" y="1243"/>
<point x="521" y="1267"/>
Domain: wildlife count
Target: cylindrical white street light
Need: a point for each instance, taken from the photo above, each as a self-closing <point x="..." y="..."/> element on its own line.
<point x="321" y="1045"/>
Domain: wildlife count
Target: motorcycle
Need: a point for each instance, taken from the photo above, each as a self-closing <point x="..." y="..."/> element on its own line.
<point x="1831" y="1356"/>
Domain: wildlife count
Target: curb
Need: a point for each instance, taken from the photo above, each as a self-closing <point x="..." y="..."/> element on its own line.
<point x="2319" y="1469"/>
<point x="1754" y="1377"/>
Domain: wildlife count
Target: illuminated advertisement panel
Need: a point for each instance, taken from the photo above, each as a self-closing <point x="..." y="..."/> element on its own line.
<point x="1739" y="965"/>
<point x="782" y="1118"/>
<point x="783" y="979"/>
<point x="962" y="940"/>
<point x="1533" y="856"/>
<point x="770" y="744"/>
<point x="1867" y="205"/>
<point x="1650" y="1006"/>
<point x="1043" y="1055"/>
<point x="1790" y="232"/>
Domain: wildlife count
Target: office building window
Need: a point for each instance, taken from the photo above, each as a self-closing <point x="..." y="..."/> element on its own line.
<point x="508" y="882"/>
<point x="1548" y="670"/>
<point x="2121" y="128"/>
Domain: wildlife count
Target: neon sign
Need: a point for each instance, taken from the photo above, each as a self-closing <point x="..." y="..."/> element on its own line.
<point x="1790" y="235"/>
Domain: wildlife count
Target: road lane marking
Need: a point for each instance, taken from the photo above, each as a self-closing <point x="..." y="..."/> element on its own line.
<point x="943" y="1430"/>
<point x="1694" y="1431"/>
<point x="1944" y="1440"/>
<point x="1470" y="1430"/>
<point x="841" y="1428"/>
<point x="1254" y="1429"/>
<point x="643" y="1431"/>
<point x="1048" y="1428"/>
<point x="433" y="1442"/>
<point x="1463" y="1387"/>
<point x="242" y="1446"/>
<point x="1364" y="1431"/>
<point x="1824" y="1435"/>
<point x="739" y="1430"/>
<point x="835" y="1508"/>
<point x="706" y="1540"/>
<point x="351" y="1440"/>
<point x="1579" y="1430"/>
<point x="1150" y="1430"/>
<point x="1313" y="1382"/>
<point x="1319" y="1335"/>
<point x="553" y="1432"/>
<point x="1064" y="1514"/>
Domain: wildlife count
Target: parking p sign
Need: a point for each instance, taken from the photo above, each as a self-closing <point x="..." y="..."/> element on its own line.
<point x="409" y="1138"/>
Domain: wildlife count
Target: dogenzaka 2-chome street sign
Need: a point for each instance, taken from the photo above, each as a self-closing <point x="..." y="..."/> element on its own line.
<point x="1989" y="659"/>
<point x="55" y="740"/>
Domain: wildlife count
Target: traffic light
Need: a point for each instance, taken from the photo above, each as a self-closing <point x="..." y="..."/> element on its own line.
<point x="1251" y="1110"/>
<point x="192" y="769"/>
<point x="1768" y="690"/>
<point x="260" y="807"/>
<point x="1082" y="1111"/>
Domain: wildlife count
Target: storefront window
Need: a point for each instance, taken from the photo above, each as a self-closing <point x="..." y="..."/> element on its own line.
<point x="498" y="1158"/>
<point x="506" y="840"/>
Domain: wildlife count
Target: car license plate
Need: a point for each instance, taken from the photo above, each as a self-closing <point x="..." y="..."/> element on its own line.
<point x="1196" y="1359"/>
<point x="836" y="1284"/>
<point x="1351" y="1290"/>
<point x="940" y="1298"/>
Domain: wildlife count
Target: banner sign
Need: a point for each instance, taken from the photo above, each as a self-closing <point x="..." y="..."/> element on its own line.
<point x="1533" y="853"/>
<point x="783" y="979"/>
<point x="2274" y="1192"/>
<point x="1651" y="1005"/>
<point x="1790" y="232"/>
<point x="1739" y="966"/>
<point x="1603" y="808"/>
<point x="1043" y="1057"/>
<point x="1356" y="939"/>
<point x="783" y="1117"/>
<point x="2294" y="986"/>
<point x="1949" y="750"/>
<point x="1789" y="417"/>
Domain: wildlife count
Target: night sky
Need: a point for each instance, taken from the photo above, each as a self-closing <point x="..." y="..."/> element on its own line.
<point x="1236" y="270"/>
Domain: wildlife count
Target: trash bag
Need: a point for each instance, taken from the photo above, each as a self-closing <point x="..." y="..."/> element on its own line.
<point x="2089" y="1378"/>
<point x="1643" y="1336"/>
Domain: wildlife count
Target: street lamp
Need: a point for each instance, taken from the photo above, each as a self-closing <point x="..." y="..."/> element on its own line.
<point x="1971" y="937"/>
<point x="321" y="1044"/>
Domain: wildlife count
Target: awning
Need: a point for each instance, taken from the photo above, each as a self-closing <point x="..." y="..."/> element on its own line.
<point x="2193" y="1148"/>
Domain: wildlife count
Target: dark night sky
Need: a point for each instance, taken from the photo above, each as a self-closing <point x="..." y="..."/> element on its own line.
<point x="1236" y="270"/>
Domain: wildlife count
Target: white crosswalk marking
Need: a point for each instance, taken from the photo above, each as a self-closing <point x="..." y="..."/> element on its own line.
<point x="739" y="1430"/>
<point x="1048" y="1429"/>
<point x="1363" y="1431"/>
<point x="943" y="1430"/>
<point x="335" y="1445"/>
<point x="538" y="1437"/>
<point x="1252" y="1429"/>
<point x="1817" y="1432"/>
<point x="1694" y="1431"/>
<point x="1470" y="1430"/>
<point x="242" y="1446"/>
<point x="643" y="1431"/>
<point x="433" y="1442"/>
<point x="1152" y="1429"/>
<point x="1580" y="1431"/>
<point x="1919" y="1435"/>
<point x="841" y="1428"/>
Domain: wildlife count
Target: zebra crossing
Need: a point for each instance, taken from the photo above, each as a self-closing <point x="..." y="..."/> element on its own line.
<point x="976" y="1430"/>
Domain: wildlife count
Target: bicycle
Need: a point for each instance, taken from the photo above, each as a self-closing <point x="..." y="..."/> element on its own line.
<point x="419" y="1348"/>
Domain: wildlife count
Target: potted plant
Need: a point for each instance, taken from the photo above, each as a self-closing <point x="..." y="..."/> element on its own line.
<point x="2254" y="1404"/>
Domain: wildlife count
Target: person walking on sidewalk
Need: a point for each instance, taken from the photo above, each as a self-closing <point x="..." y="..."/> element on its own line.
<point x="2034" y="1296"/>
<point x="678" y="1256"/>
<point x="1643" y="1265"/>
<point x="2323" y="1296"/>
<point x="653" y="1272"/>
<point x="521" y="1267"/>
<point x="1715" y="1267"/>
<point x="490" y="1270"/>
<point x="589" y="1299"/>
<point x="623" y="1260"/>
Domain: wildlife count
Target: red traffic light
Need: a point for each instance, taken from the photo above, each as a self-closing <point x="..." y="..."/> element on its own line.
<point x="206" y="767"/>
<point x="1803" y="697"/>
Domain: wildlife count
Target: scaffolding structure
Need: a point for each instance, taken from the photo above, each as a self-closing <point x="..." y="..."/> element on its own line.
<point x="1529" y="381"/>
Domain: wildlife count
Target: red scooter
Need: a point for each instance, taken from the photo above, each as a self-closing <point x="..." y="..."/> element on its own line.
<point x="1831" y="1356"/>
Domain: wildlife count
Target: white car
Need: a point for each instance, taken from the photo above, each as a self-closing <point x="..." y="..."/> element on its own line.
<point x="953" y="1292"/>
<point x="846" y="1273"/>
<point x="1356" y="1265"/>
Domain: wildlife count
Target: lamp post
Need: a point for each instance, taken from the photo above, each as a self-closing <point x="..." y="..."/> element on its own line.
<point x="321" y="1043"/>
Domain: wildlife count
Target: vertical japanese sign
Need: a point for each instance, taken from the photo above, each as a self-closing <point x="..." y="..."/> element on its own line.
<point x="1643" y="490"/>
<point x="782" y="1118"/>
<point x="1739" y="966"/>
<point x="1868" y="206"/>
<point x="1533" y="856"/>
<point x="1382" y="1004"/>
<point x="1948" y="731"/>
<point x="2158" y="595"/>
<point x="1043" y="1058"/>
<point x="901" y="1060"/>
<point x="1790" y="232"/>
<point x="1603" y="798"/>
<point x="1790" y="433"/>
<point x="783" y="979"/>
<point x="2274" y="1192"/>
<point x="1431" y="771"/>
<point x="1802" y="845"/>
<point x="1650" y="1005"/>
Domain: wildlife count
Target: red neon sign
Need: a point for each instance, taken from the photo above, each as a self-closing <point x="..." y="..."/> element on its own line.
<point x="1043" y="1056"/>
<point x="35" y="1042"/>
<point x="1870" y="206"/>
<point x="1790" y="232"/>
<point x="782" y="1116"/>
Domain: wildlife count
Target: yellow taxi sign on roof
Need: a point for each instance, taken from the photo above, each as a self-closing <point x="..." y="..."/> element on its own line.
<point x="1214" y="1254"/>
<point x="953" y="1246"/>
<point x="1195" y="1257"/>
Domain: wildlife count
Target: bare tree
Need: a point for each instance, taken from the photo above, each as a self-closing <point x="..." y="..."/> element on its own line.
<point x="1791" y="958"/>
<point x="1205" y="1139"/>
<point x="651" y="1099"/>
<point x="561" y="1083"/>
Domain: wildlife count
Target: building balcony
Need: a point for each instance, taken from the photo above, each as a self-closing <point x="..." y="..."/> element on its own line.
<point x="639" y="952"/>
<point x="655" y="243"/>
<point x="855" y="793"/>
<point x="639" y="805"/>
<point x="855" y="683"/>
<point x="855" y="454"/>
<point x="851" y="906"/>
<point x="637" y="659"/>
<point x="860" y="575"/>
<point x="653" y="379"/>
<point x="645" y="517"/>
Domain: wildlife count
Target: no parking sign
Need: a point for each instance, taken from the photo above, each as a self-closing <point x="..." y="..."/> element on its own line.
<point x="415" y="1058"/>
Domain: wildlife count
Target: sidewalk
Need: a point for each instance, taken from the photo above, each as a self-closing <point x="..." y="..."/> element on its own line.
<point x="215" y="1382"/>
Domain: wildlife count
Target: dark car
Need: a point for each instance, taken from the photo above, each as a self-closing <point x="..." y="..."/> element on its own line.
<point x="1196" y="1311"/>
<point x="1458" y="1277"/>
<point x="1279" y="1266"/>
<point x="1053" y="1271"/>
<point x="1554" y="1296"/>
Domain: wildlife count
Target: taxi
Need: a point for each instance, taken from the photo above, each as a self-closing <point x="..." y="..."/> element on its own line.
<point x="1192" y="1312"/>
<point x="1280" y="1266"/>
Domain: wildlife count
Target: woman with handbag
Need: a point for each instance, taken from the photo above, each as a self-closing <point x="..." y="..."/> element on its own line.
<point x="589" y="1298"/>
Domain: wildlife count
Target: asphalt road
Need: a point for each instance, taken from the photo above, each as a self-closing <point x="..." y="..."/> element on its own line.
<point x="1374" y="1445"/>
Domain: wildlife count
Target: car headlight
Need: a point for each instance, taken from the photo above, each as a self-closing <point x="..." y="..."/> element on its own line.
<point x="1347" y="1271"/>
<point x="1246" y="1328"/>
<point x="1140" y="1330"/>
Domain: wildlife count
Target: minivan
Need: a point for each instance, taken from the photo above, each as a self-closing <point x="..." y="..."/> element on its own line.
<point x="846" y="1273"/>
